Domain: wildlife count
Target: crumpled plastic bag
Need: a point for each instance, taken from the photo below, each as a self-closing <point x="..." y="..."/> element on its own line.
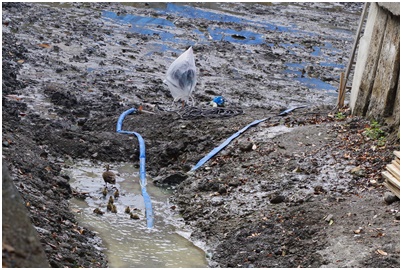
<point x="181" y="76"/>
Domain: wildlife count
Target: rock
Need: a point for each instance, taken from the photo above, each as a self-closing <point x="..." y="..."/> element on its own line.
<point x="222" y="190"/>
<point x="18" y="234"/>
<point x="246" y="147"/>
<point x="277" y="199"/>
<point x="171" y="180"/>
<point x="390" y="198"/>
<point x="358" y="171"/>
<point x="49" y="193"/>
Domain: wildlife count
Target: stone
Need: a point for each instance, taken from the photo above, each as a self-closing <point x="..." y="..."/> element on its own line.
<point x="171" y="180"/>
<point x="15" y="219"/>
<point x="277" y="199"/>
<point x="390" y="198"/>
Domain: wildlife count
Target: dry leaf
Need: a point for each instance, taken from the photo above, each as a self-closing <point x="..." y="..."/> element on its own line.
<point x="77" y="231"/>
<point x="253" y="235"/>
<point x="355" y="169"/>
<point x="14" y="97"/>
<point x="382" y="252"/>
<point x="44" y="45"/>
<point x="8" y="248"/>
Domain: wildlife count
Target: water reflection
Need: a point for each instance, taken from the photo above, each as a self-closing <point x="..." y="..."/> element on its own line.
<point x="128" y="242"/>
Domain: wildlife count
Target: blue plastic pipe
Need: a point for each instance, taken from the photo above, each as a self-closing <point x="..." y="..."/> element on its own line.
<point x="228" y="140"/>
<point x="285" y="112"/>
<point x="143" y="180"/>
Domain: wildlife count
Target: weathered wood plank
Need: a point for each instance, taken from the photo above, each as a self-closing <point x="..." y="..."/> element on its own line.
<point x="397" y="153"/>
<point x="394" y="189"/>
<point x="370" y="67"/>
<point x="386" y="78"/>
<point x="391" y="179"/>
<point x="394" y="171"/>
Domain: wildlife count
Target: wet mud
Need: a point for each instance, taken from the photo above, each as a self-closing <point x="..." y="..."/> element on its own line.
<point x="284" y="194"/>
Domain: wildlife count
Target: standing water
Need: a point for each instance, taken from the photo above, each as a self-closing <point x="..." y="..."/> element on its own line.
<point x="128" y="242"/>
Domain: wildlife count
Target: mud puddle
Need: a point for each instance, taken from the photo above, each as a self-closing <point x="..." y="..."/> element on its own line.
<point x="128" y="242"/>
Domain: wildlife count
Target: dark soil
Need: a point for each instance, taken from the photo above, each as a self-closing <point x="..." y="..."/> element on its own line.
<point x="287" y="193"/>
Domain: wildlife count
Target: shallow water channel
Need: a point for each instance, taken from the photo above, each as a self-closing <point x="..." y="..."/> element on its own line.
<point x="128" y="242"/>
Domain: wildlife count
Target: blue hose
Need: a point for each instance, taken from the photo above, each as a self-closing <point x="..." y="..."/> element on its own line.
<point x="228" y="140"/>
<point x="143" y="180"/>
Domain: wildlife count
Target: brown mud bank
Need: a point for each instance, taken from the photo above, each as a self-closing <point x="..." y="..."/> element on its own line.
<point x="300" y="190"/>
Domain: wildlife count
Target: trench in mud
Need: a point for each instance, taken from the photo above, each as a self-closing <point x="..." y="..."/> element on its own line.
<point x="128" y="242"/>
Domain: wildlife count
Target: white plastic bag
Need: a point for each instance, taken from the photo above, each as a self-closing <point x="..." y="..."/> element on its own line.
<point x="181" y="76"/>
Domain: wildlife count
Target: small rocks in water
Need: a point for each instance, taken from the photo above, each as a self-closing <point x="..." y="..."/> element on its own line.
<point x="116" y="194"/>
<point x="389" y="197"/>
<point x="98" y="211"/>
<point x="277" y="199"/>
<point x="134" y="216"/>
<point x="127" y="210"/>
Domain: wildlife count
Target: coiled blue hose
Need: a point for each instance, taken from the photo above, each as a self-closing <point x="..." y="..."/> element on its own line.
<point x="143" y="180"/>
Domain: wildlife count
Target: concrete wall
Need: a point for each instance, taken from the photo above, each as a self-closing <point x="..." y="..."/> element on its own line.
<point x="375" y="88"/>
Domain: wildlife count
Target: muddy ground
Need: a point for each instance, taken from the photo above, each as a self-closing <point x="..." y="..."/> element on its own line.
<point x="300" y="190"/>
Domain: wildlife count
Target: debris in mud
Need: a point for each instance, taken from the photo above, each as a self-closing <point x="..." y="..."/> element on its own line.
<point x="329" y="218"/>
